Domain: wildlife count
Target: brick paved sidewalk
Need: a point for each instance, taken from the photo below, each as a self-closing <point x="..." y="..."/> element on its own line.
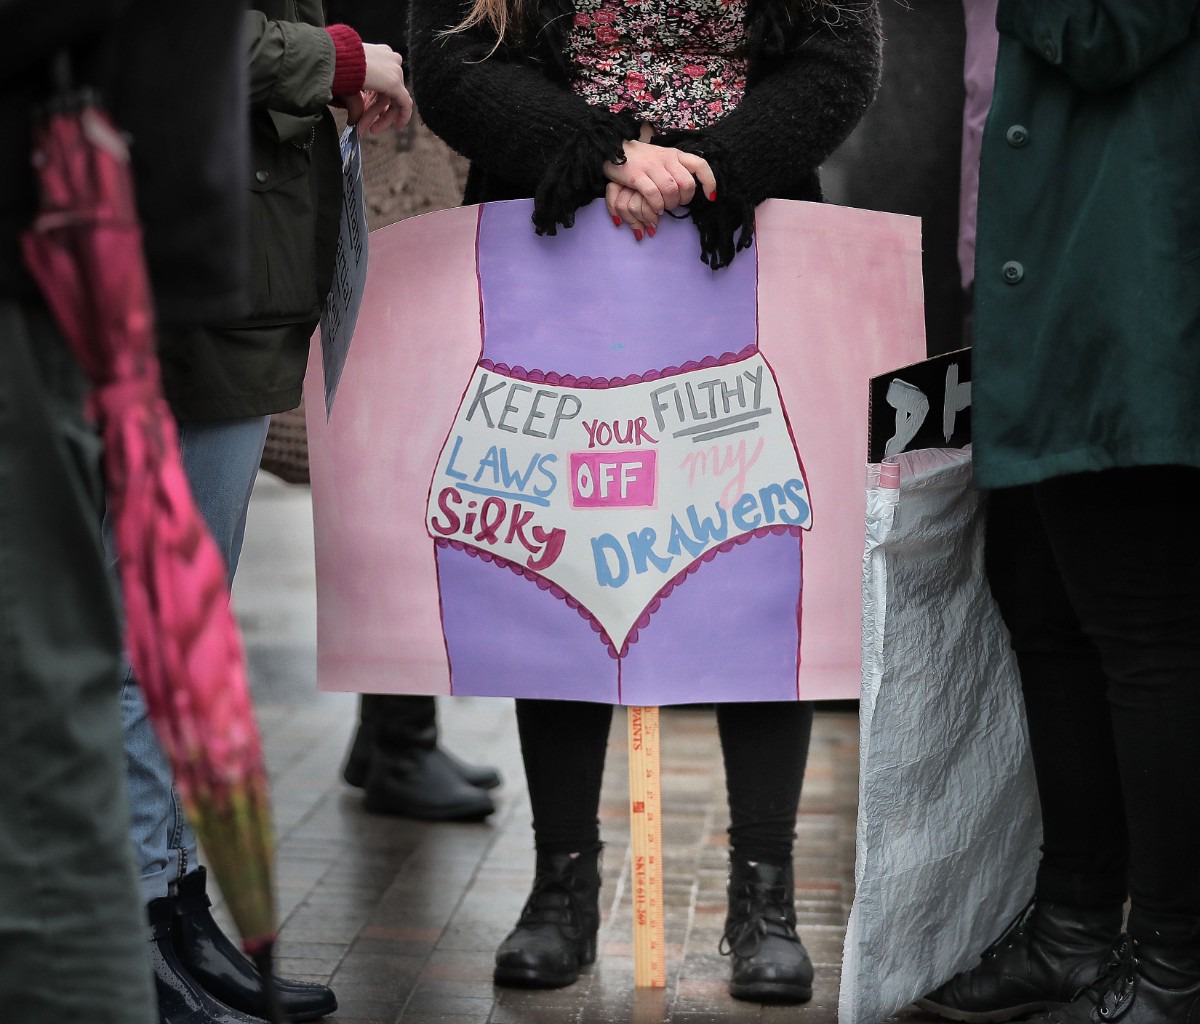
<point x="402" y="917"/>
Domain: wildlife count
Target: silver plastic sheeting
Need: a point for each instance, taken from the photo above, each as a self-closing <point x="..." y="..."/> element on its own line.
<point x="948" y="826"/>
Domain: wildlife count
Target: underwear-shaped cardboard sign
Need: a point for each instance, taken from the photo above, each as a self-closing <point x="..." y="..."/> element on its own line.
<point x="583" y="467"/>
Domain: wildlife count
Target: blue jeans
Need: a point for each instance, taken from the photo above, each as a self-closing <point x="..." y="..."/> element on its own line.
<point x="221" y="460"/>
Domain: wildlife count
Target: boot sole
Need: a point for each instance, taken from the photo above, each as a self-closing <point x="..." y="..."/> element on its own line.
<point x="1005" y="1013"/>
<point x="771" y="992"/>
<point x="531" y="977"/>
<point x="473" y="812"/>
<point x="513" y="977"/>
<point x="354" y="773"/>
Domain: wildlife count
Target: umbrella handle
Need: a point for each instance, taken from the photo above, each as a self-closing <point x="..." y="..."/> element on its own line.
<point x="262" y="960"/>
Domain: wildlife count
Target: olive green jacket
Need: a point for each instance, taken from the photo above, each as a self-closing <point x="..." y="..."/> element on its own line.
<point x="1087" y="273"/>
<point x="256" y="366"/>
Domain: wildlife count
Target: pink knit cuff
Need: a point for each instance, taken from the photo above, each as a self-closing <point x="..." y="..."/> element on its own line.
<point x="350" y="60"/>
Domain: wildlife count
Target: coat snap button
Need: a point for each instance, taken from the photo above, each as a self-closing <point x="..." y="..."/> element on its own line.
<point x="1013" y="271"/>
<point x="261" y="176"/>
<point x="1017" y="135"/>
<point x="1049" y="50"/>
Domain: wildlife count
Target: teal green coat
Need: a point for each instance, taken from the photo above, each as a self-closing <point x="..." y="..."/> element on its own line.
<point x="256" y="366"/>
<point x="1087" y="273"/>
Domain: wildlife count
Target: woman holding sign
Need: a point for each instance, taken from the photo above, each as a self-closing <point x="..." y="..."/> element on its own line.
<point x="701" y="108"/>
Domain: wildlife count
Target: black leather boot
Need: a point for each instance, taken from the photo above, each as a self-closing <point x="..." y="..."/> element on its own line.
<point x="400" y="733"/>
<point x="1043" y="959"/>
<point x="1140" y="984"/>
<point x="181" y="1000"/>
<point x="219" y="968"/>
<point x="770" y="963"/>
<point x="556" y="934"/>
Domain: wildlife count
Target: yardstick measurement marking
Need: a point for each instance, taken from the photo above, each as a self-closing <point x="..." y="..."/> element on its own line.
<point x="645" y="828"/>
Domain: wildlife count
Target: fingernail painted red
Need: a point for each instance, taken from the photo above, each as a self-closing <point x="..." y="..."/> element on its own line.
<point x="616" y="220"/>
<point x="650" y="232"/>
<point x="712" y="197"/>
<point x="637" y="235"/>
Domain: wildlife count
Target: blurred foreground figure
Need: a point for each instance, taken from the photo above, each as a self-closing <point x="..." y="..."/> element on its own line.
<point x="72" y="930"/>
<point x="1086" y="427"/>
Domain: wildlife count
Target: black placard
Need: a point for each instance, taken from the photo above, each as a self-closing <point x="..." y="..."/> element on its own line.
<point x="926" y="405"/>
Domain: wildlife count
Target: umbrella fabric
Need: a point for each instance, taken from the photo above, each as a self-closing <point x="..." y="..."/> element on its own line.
<point x="84" y="250"/>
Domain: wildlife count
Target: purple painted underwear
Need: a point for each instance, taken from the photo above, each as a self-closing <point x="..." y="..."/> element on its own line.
<point x="619" y="501"/>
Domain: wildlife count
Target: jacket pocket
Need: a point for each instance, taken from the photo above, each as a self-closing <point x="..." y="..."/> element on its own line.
<point x="282" y="225"/>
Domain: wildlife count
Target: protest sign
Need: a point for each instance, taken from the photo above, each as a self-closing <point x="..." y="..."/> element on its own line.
<point x="587" y="467"/>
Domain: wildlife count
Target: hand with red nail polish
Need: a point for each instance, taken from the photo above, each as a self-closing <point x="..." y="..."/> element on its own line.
<point x="666" y="178"/>
<point x="628" y="206"/>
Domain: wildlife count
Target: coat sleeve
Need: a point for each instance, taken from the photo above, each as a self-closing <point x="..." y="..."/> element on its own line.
<point x="291" y="65"/>
<point x="795" y="113"/>
<point x="508" y="117"/>
<point x="1100" y="44"/>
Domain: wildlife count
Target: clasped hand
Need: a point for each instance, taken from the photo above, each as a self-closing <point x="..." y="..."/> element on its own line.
<point x="384" y="101"/>
<point x="652" y="181"/>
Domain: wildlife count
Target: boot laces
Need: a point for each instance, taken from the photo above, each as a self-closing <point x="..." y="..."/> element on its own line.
<point x="1013" y="933"/>
<point x="1113" y="992"/>
<point x="553" y="900"/>
<point x="760" y="910"/>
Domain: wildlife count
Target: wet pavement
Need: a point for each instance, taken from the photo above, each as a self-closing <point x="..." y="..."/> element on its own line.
<point x="402" y="917"/>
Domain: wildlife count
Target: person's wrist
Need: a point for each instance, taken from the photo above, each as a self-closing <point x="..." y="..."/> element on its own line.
<point x="349" y="62"/>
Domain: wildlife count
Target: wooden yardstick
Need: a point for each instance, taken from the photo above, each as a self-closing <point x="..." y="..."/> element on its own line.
<point x="645" y="827"/>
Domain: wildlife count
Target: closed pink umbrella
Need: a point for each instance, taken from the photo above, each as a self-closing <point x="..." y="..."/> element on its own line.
<point x="85" y="251"/>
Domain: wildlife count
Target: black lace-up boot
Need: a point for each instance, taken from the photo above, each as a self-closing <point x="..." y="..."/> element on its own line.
<point x="1140" y="984"/>
<point x="556" y="934"/>
<point x="1042" y="960"/>
<point x="770" y="964"/>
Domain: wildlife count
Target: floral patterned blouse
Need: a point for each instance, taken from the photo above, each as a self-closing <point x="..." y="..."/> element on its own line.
<point x="672" y="63"/>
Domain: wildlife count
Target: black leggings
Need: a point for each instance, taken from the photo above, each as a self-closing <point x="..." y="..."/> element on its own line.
<point x="1098" y="578"/>
<point x="765" y="746"/>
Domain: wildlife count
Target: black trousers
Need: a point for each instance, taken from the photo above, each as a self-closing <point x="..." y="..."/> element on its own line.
<point x="1098" y="578"/>
<point x="765" y="747"/>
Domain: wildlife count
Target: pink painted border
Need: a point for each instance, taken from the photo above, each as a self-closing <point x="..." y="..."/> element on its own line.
<point x="571" y="381"/>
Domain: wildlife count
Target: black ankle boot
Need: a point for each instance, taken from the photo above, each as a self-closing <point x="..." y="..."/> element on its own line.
<point x="395" y="756"/>
<point x="770" y="964"/>
<point x="1043" y="959"/>
<point x="181" y="999"/>
<point x="220" y="969"/>
<point x="421" y="784"/>
<point x="556" y="934"/>
<point x="1139" y="984"/>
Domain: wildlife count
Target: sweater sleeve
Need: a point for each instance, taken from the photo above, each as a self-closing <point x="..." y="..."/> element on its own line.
<point x="291" y="65"/>
<point x="797" y="110"/>
<point x="349" y="61"/>
<point x="1100" y="44"/>
<point x="508" y="117"/>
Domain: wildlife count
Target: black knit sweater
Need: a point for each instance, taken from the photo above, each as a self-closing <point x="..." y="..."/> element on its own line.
<point x="513" y="114"/>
